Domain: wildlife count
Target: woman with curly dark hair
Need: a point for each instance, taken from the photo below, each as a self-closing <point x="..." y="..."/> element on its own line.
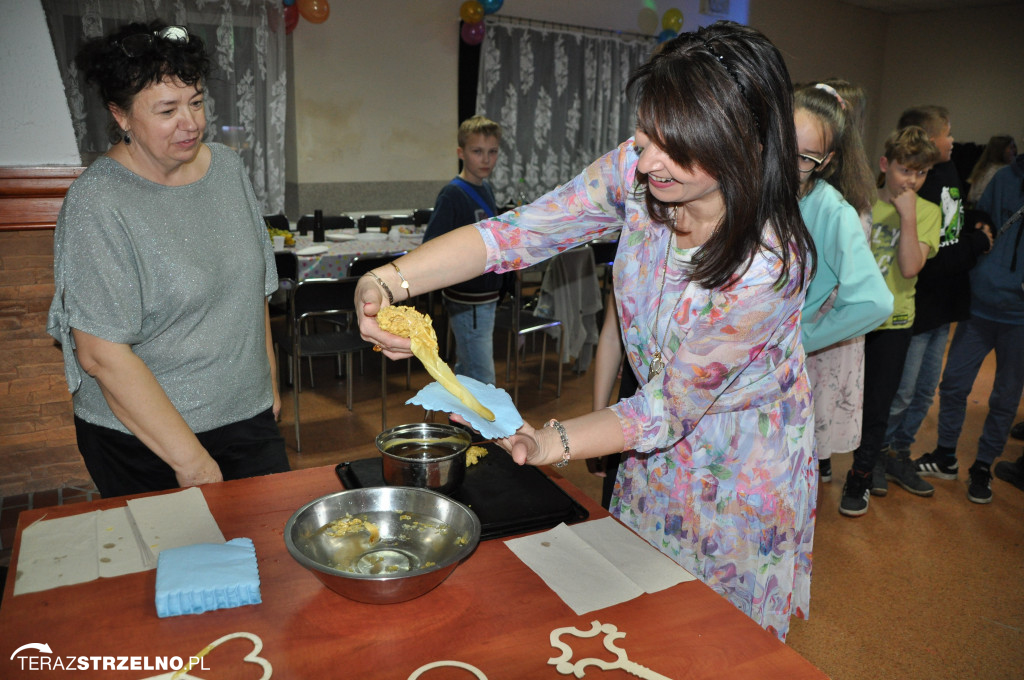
<point x="713" y="260"/>
<point x="162" y="266"/>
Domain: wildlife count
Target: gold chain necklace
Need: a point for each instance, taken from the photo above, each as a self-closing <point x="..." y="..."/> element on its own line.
<point x="657" y="363"/>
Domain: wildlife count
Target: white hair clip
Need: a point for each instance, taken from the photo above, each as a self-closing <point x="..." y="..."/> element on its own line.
<point x="832" y="91"/>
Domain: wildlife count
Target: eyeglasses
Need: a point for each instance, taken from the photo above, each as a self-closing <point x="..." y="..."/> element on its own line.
<point x="138" y="44"/>
<point x="807" y="163"/>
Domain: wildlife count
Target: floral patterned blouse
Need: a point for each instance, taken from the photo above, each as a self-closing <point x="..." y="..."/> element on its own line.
<point x="720" y="472"/>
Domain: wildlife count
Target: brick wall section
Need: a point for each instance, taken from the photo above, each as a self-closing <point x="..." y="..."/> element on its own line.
<point x="37" y="434"/>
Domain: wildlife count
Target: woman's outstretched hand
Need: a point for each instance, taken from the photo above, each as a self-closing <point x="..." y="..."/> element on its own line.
<point x="369" y="301"/>
<point x="529" y="446"/>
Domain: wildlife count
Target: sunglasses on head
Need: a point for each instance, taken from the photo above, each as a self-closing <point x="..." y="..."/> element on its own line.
<point x="139" y="43"/>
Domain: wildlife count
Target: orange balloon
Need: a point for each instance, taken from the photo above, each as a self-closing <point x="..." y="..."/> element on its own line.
<point x="314" y="11"/>
<point x="471" y="11"/>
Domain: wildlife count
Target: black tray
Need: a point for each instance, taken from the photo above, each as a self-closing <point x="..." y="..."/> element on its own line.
<point x="509" y="499"/>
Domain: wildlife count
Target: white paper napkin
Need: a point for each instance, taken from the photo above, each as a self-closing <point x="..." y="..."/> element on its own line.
<point x="124" y="540"/>
<point x="597" y="564"/>
<point x="57" y="552"/>
<point x="173" y="520"/>
<point x="118" y="549"/>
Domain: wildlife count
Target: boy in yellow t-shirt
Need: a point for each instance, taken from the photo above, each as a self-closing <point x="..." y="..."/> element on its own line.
<point x="905" y="233"/>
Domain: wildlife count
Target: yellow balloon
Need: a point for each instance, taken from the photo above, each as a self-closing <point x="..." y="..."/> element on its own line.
<point x="647" y="21"/>
<point x="672" y="20"/>
<point x="471" y="11"/>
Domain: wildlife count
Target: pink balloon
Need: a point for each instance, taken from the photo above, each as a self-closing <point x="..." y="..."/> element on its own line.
<point x="473" y="34"/>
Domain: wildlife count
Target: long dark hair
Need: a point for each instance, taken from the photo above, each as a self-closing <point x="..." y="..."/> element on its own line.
<point x="119" y="77"/>
<point x="720" y="98"/>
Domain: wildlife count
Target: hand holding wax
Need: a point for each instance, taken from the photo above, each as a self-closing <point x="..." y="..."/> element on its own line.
<point x="408" y="323"/>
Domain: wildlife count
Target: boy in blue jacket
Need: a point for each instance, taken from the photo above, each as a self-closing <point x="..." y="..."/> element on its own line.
<point x="996" y="323"/>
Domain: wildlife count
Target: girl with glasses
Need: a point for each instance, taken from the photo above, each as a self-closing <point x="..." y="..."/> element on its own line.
<point x="847" y="296"/>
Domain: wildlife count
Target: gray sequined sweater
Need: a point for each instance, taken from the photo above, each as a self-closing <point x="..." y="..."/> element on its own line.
<point x="179" y="273"/>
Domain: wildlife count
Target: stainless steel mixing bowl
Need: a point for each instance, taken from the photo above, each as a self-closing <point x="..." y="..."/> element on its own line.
<point x="428" y="455"/>
<point x="382" y="544"/>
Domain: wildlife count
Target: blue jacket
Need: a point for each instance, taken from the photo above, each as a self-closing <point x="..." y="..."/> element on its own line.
<point x="997" y="282"/>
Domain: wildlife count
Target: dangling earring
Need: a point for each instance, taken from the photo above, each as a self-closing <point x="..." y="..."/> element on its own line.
<point x="127" y="139"/>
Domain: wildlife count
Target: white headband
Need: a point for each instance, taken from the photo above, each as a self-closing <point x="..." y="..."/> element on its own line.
<point x="832" y="91"/>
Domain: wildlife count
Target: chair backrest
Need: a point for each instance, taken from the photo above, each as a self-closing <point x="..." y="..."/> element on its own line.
<point x="401" y="219"/>
<point x="324" y="296"/>
<point x="287" y="266"/>
<point x="330" y="222"/>
<point x="604" y="251"/>
<point x="360" y="265"/>
<point x="422" y="216"/>
<point x="338" y="222"/>
<point x="369" y="223"/>
<point x="277" y="222"/>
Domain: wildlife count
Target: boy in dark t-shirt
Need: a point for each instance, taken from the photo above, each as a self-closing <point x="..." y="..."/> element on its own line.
<point x="468" y="198"/>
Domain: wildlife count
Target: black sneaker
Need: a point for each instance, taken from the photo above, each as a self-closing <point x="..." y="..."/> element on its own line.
<point x="825" y="470"/>
<point x="1011" y="472"/>
<point x="901" y="470"/>
<point x="879" y="486"/>
<point x="979" y="488"/>
<point x="1017" y="431"/>
<point x="854" y="502"/>
<point x="933" y="465"/>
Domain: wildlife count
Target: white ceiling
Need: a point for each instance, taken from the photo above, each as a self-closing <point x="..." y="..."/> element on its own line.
<point x="907" y="6"/>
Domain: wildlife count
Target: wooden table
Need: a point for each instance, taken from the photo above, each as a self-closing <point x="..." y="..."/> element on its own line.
<point x="493" y="612"/>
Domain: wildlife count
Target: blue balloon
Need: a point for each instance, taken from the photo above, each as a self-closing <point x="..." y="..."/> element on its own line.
<point x="491" y="6"/>
<point x="666" y="35"/>
<point x="288" y="3"/>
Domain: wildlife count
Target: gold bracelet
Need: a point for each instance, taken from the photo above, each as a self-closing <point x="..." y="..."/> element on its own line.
<point x="565" y="442"/>
<point x="405" y="284"/>
<point x="380" y="281"/>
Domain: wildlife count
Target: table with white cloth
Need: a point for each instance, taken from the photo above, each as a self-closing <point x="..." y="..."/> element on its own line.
<point x="339" y="254"/>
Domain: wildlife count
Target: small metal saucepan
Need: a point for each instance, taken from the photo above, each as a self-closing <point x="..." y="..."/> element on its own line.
<point x="426" y="455"/>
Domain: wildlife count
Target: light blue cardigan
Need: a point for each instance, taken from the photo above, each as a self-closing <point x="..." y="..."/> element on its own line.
<point x="845" y="264"/>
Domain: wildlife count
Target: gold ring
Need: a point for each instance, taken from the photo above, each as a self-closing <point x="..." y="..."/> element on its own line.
<point x="376" y="348"/>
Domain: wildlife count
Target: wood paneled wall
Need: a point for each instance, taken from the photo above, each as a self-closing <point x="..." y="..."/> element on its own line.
<point x="37" y="436"/>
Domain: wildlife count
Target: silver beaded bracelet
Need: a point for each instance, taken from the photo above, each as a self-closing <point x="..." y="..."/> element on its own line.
<point x="565" y="442"/>
<point x="384" y="286"/>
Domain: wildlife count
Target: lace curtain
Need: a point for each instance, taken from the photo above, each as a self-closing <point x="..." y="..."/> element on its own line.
<point x="559" y="94"/>
<point x="245" y="95"/>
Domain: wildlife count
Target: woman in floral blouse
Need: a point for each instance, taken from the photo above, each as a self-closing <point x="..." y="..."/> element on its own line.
<point x="709" y="280"/>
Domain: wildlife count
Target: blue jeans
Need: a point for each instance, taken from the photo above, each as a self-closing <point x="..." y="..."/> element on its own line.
<point x="921" y="373"/>
<point x="473" y="328"/>
<point x="972" y="342"/>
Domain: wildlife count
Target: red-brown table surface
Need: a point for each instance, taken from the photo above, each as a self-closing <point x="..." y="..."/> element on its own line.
<point x="492" y="612"/>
